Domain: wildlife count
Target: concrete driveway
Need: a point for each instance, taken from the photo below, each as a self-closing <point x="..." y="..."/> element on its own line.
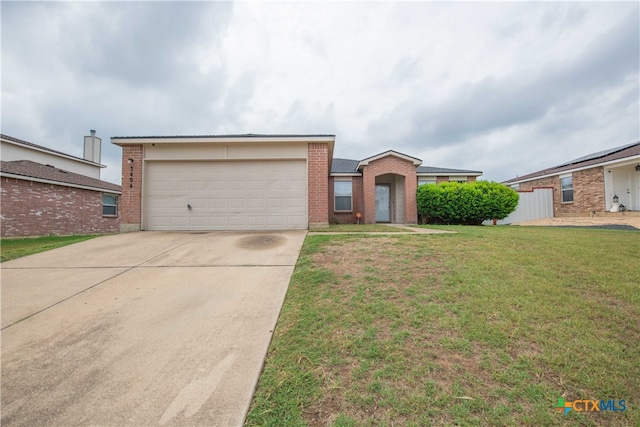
<point x="145" y="328"/>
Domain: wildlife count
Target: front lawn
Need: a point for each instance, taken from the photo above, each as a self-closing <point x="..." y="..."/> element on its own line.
<point x="16" y="248"/>
<point x="360" y="228"/>
<point x="488" y="326"/>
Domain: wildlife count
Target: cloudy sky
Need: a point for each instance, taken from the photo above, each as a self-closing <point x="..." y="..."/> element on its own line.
<point x="505" y="88"/>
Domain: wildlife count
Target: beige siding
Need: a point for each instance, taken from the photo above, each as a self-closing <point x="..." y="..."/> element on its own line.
<point x="225" y="151"/>
<point x="11" y="152"/>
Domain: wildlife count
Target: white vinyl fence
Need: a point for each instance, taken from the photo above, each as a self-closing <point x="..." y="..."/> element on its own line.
<point x="536" y="204"/>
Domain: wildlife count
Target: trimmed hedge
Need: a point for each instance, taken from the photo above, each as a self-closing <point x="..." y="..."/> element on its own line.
<point x="465" y="203"/>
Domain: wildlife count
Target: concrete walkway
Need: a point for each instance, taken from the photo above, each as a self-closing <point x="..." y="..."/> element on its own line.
<point x="142" y="329"/>
<point x="406" y="229"/>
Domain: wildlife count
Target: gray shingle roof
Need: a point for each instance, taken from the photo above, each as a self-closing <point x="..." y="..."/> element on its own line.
<point x="344" y="166"/>
<point x="594" y="159"/>
<point x="29" y="169"/>
<point x="349" y="166"/>
<point x="435" y="170"/>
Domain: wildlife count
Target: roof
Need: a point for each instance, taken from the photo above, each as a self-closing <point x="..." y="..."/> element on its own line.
<point x="32" y="171"/>
<point x="348" y="166"/>
<point x="432" y="170"/>
<point x="243" y="135"/>
<point x="345" y="166"/>
<point x="590" y="160"/>
<point x="368" y="160"/>
<point x="48" y="150"/>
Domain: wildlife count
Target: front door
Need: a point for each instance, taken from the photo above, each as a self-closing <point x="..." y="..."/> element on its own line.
<point x="383" y="203"/>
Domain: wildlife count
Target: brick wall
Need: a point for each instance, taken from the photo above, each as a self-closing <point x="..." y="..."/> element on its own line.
<point x="38" y="209"/>
<point x="318" y="163"/>
<point x="130" y="201"/>
<point x="393" y="165"/>
<point x="358" y="202"/>
<point x="588" y="192"/>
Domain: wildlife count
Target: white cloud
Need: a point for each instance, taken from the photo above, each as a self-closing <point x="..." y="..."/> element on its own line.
<point x="505" y="88"/>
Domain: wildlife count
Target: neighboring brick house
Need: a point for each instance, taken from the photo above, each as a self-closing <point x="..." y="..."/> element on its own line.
<point x="47" y="192"/>
<point x="382" y="188"/>
<point x="590" y="183"/>
<point x="254" y="182"/>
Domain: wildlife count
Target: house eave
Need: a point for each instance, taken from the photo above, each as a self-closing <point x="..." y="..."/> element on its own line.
<point x="618" y="162"/>
<point x="54" y="153"/>
<point x="470" y="173"/>
<point x="365" y="162"/>
<point x="224" y="139"/>
<point x="345" y="174"/>
<point x="60" y="183"/>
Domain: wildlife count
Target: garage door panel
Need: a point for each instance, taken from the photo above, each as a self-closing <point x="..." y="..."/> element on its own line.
<point x="256" y="185"/>
<point x="217" y="203"/>
<point x="236" y="204"/>
<point x="177" y="221"/>
<point x="276" y="221"/>
<point x="276" y="203"/>
<point x="255" y="203"/>
<point x="256" y="221"/>
<point x="239" y="195"/>
<point x="295" y="203"/>
<point x="177" y="203"/>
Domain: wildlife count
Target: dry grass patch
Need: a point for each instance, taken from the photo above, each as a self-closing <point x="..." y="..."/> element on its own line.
<point x="488" y="326"/>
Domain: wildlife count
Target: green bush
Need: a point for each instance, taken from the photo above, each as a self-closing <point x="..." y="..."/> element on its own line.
<point x="465" y="203"/>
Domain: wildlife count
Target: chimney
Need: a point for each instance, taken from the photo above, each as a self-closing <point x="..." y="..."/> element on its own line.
<point x="92" y="147"/>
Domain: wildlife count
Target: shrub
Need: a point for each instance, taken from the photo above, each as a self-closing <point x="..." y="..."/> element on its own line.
<point x="465" y="203"/>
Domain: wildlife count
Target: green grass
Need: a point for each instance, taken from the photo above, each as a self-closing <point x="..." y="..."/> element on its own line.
<point x="487" y="326"/>
<point x="16" y="248"/>
<point x="362" y="228"/>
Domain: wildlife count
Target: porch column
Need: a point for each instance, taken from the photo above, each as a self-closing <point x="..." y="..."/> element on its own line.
<point x="369" y="196"/>
<point x="410" y="201"/>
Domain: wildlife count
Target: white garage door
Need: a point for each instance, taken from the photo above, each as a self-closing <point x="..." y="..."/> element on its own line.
<point x="229" y="195"/>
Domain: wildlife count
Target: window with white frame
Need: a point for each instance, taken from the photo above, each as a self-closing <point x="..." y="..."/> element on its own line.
<point x="342" y="196"/>
<point x="515" y="187"/>
<point x="109" y="205"/>
<point x="566" y="188"/>
<point x="426" y="180"/>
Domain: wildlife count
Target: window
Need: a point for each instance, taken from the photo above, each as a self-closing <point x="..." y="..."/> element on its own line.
<point x="342" y="192"/>
<point x="426" y="180"/>
<point x="566" y="187"/>
<point x="109" y="204"/>
<point x="515" y="187"/>
<point x="457" y="179"/>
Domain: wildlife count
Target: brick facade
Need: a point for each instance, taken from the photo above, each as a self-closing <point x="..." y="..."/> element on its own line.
<point x="358" y="204"/>
<point x="588" y="192"/>
<point x="390" y="165"/>
<point x="37" y="209"/>
<point x="131" y="199"/>
<point x="318" y="184"/>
